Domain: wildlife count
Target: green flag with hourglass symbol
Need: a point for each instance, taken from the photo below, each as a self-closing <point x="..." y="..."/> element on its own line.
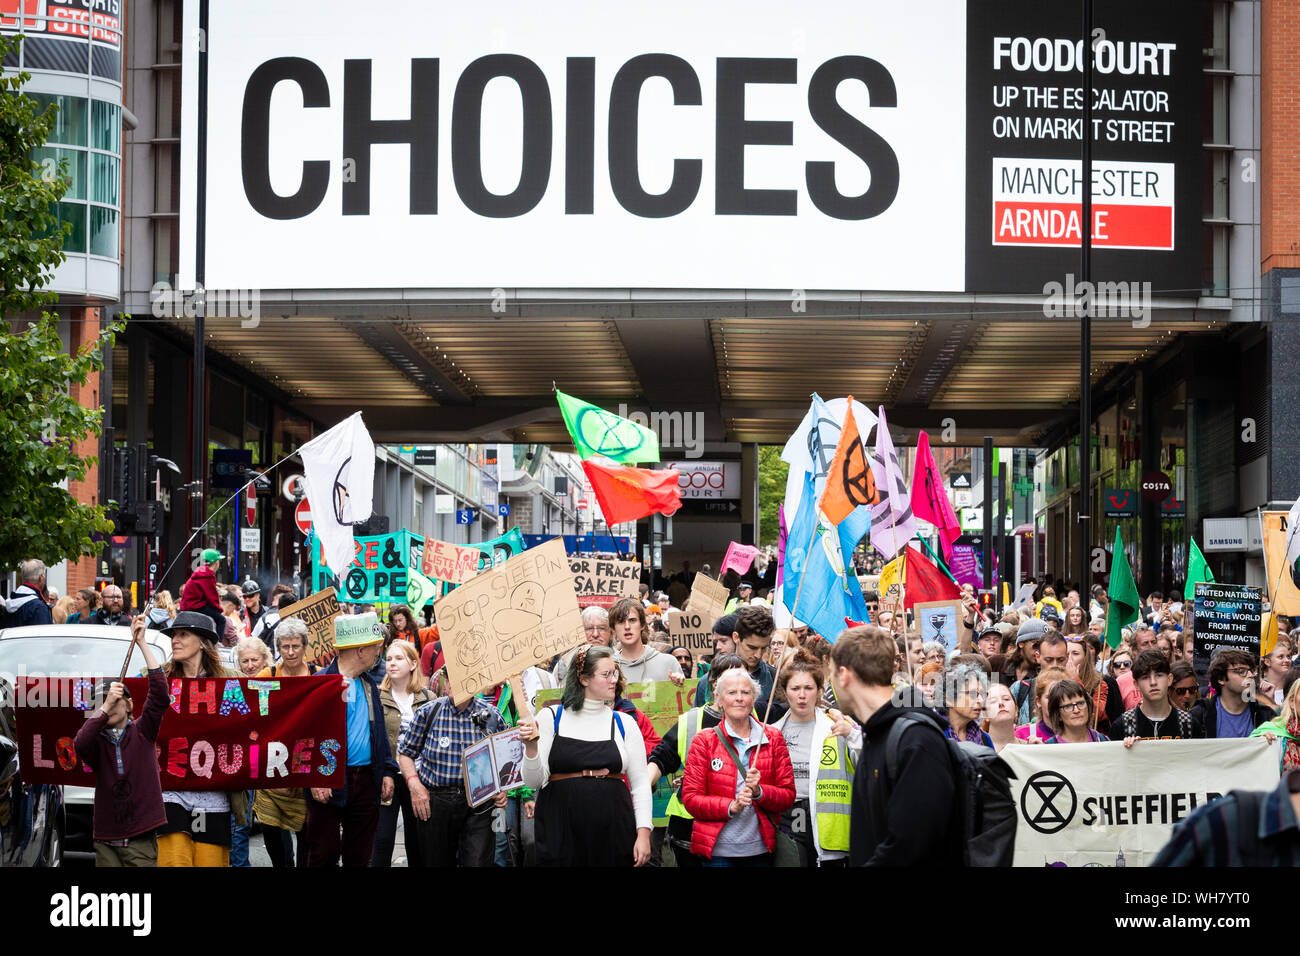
<point x="598" y="432"/>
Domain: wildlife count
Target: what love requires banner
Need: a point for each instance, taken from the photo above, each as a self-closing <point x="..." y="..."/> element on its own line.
<point x="1102" y="805"/>
<point x="216" y="734"/>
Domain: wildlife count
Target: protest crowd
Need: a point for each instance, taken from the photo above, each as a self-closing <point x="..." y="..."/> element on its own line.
<point x="817" y="740"/>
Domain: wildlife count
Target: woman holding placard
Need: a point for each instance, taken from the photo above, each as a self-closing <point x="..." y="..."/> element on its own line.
<point x="739" y="781"/>
<point x="578" y="757"/>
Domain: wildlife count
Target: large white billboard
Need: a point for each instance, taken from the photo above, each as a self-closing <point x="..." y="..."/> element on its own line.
<point x="584" y="144"/>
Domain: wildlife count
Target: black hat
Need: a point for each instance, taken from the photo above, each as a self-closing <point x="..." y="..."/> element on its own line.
<point x="986" y="630"/>
<point x="250" y="587"/>
<point x="746" y="584"/>
<point x="725" y="625"/>
<point x="195" y="622"/>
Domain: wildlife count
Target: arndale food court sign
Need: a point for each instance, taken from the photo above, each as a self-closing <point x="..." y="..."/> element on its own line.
<point x="872" y="145"/>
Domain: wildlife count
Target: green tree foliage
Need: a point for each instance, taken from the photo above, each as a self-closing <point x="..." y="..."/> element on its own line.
<point x="772" y="472"/>
<point x="40" y="424"/>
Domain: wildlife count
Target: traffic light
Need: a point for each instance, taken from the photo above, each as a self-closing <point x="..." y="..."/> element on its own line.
<point x="986" y="600"/>
<point x="124" y="485"/>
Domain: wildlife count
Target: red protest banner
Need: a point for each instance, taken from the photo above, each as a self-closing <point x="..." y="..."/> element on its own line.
<point x="217" y="734"/>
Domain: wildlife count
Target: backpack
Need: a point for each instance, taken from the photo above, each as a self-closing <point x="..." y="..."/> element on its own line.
<point x="987" y="811"/>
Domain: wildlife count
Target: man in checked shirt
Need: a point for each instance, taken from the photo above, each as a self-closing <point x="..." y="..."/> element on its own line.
<point x="431" y="755"/>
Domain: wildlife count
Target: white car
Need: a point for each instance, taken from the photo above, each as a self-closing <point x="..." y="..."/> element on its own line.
<point x="75" y="650"/>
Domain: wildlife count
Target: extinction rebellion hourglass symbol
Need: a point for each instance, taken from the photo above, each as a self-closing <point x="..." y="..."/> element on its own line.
<point x="938" y="621"/>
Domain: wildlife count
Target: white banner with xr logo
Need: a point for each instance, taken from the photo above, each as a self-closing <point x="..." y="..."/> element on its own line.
<point x="1102" y="805"/>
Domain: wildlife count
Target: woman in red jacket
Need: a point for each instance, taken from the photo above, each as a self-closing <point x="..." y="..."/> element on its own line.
<point x="738" y="781"/>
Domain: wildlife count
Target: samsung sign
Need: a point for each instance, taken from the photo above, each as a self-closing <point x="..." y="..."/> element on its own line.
<point x="924" y="147"/>
<point x="1223" y="534"/>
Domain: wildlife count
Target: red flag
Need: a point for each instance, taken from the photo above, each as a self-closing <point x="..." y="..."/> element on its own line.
<point x="922" y="581"/>
<point x="930" y="500"/>
<point x="626" y="494"/>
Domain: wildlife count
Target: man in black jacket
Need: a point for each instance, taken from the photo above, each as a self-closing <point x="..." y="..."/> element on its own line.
<point x="1233" y="710"/>
<point x="909" y="820"/>
<point x="27" y="605"/>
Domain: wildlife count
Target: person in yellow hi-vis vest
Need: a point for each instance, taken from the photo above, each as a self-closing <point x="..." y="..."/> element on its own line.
<point x="669" y="757"/>
<point x="822" y="748"/>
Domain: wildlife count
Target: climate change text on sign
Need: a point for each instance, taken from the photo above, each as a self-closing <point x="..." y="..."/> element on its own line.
<point x="517" y="615"/>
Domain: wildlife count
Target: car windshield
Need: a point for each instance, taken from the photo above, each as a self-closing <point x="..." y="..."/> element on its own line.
<point x="67" y="656"/>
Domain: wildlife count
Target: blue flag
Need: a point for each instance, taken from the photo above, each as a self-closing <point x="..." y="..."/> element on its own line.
<point x="831" y="592"/>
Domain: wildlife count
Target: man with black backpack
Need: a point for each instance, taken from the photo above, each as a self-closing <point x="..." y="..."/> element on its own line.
<point x="918" y="797"/>
<point x="910" y="819"/>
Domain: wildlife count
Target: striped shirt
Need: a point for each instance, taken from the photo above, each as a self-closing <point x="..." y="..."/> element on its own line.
<point x="1211" y="835"/>
<point x="438" y="734"/>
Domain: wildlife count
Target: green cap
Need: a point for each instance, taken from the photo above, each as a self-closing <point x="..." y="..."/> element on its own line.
<point x="211" y="556"/>
<point x="357" y="630"/>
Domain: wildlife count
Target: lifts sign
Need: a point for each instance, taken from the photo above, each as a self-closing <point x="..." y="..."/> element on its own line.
<point x="872" y="145"/>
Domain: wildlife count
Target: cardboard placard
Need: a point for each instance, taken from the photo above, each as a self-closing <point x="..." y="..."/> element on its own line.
<point x="1226" y="615"/>
<point x="708" y="598"/>
<point x="519" y="614"/>
<point x="449" y="562"/>
<point x="941" y="621"/>
<point x="602" y="582"/>
<point x="318" y="612"/>
<point x="493" y="765"/>
<point x="688" y="630"/>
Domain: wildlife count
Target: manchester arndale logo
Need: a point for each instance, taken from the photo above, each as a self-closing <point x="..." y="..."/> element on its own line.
<point x="77" y="910"/>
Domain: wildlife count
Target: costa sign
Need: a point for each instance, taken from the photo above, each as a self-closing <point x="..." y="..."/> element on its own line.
<point x="1156" y="486"/>
<point x="766" y="146"/>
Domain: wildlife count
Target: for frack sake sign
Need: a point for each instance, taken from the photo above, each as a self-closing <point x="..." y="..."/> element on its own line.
<point x="518" y="615"/>
<point x="602" y="582"/>
<point x="1104" y="805"/>
<point x="215" y="734"/>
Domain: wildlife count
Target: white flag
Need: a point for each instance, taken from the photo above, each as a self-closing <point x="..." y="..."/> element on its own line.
<point x="806" y="450"/>
<point x="1293" y="538"/>
<point x="338" y="470"/>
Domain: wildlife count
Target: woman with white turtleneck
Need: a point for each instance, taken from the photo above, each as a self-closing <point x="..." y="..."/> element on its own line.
<point x="588" y="766"/>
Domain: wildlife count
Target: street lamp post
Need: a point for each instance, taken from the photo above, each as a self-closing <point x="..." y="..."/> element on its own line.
<point x="1085" y="318"/>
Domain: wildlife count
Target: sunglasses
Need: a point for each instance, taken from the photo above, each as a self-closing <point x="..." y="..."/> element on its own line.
<point x="1121" y="665"/>
<point x="1182" y="690"/>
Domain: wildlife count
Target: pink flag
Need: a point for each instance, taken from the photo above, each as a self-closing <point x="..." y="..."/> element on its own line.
<point x="780" y="544"/>
<point x="930" y="500"/>
<point x="740" y="557"/>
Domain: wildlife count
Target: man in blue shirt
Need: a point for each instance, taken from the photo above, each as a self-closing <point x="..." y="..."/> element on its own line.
<point x="371" y="770"/>
<point x="431" y="753"/>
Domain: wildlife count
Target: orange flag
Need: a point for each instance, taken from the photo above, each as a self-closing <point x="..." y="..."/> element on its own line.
<point x="849" y="481"/>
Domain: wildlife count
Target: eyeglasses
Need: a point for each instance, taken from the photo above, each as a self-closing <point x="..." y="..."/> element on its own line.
<point x="1182" y="690"/>
<point x="1121" y="665"/>
<point x="590" y="628"/>
<point x="1074" y="705"/>
<point x="606" y="675"/>
<point x="1241" y="671"/>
